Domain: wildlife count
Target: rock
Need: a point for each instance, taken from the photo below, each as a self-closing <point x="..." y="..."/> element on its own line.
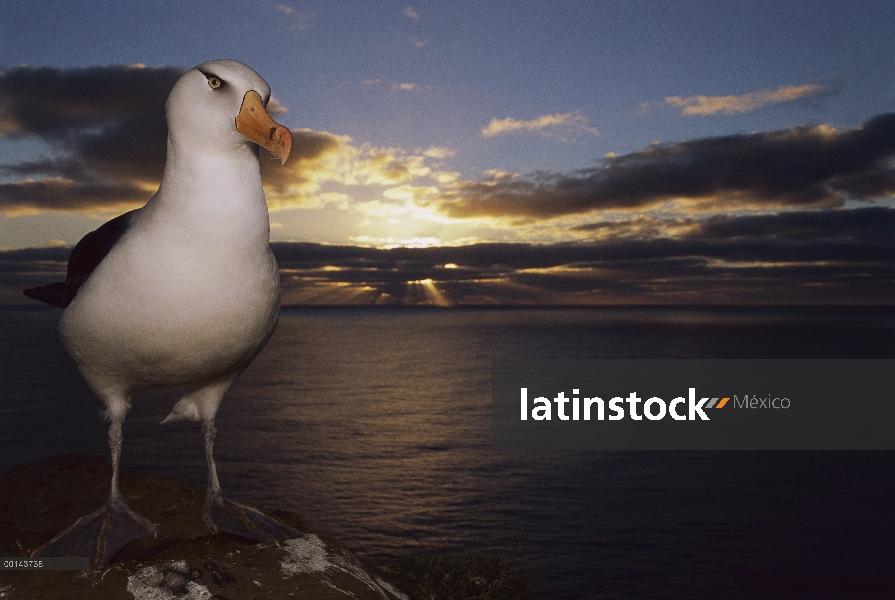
<point x="187" y="560"/>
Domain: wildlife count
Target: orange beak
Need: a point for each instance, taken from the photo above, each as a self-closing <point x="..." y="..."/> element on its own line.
<point x="255" y="124"/>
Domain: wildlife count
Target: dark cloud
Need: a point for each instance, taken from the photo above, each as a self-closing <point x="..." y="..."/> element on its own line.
<point x="799" y="167"/>
<point x="874" y="224"/>
<point x="106" y="126"/>
<point x="810" y="256"/>
<point x="133" y="149"/>
<point x="59" y="103"/>
<point x="50" y="261"/>
<point x="63" y="195"/>
<point x="855" y="235"/>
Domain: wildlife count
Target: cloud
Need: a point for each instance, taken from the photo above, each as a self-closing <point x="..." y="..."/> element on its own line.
<point x="804" y="256"/>
<point x="321" y="158"/>
<point x="710" y="105"/>
<point x="439" y="152"/>
<point x="817" y="166"/>
<point x="106" y="126"/>
<point x="405" y="87"/>
<point x="845" y="255"/>
<point x="275" y="108"/>
<point x="300" y="21"/>
<point x="314" y="159"/>
<point x="411" y="192"/>
<point x="573" y="121"/>
<point x="411" y="14"/>
<point x="58" y="104"/>
<point x="60" y="194"/>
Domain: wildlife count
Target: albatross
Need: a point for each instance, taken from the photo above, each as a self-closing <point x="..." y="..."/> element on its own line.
<point x="183" y="292"/>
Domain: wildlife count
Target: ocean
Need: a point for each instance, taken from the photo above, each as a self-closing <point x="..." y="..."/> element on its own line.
<point x="374" y="424"/>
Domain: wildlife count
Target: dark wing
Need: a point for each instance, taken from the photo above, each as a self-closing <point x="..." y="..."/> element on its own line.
<point x="84" y="258"/>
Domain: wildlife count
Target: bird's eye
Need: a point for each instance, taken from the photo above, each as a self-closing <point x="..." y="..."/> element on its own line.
<point x="213" y="82"/>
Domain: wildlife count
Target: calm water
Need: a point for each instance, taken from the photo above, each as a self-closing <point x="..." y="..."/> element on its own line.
<point x="375" y="425"/>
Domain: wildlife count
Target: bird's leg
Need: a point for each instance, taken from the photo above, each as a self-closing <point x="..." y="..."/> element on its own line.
<point x="209" y="431"/>
<point x="232" y="517"/>
<point x="115" y="439"/>
<point x="102" y="533"/>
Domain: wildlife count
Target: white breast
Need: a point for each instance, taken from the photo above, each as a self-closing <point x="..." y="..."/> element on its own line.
<point x="189" y="293"/>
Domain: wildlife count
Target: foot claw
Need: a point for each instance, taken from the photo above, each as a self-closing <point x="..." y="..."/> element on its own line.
<point x="232" y="517"/>
<point x="99" y="535"/>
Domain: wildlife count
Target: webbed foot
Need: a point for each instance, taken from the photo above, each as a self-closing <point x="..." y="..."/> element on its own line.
<point x="232" y="517"/>
<point x="99" y="535"/>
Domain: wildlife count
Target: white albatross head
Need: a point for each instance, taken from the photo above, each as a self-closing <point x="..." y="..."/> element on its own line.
<point x="220" y="106"/>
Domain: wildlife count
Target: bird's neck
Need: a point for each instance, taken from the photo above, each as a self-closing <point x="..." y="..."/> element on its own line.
<point x="213" y="191"/>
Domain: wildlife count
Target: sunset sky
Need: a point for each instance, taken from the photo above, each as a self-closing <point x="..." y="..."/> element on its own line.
<point x="457" y="153"/>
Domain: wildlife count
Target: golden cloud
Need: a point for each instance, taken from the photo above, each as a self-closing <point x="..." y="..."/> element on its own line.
<point x="710" y="105"/>
<point x="572" y="120"/>
<point x="439" y="152"/>
<point x="321" y="160"/>
<point x="415" y="193"/>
